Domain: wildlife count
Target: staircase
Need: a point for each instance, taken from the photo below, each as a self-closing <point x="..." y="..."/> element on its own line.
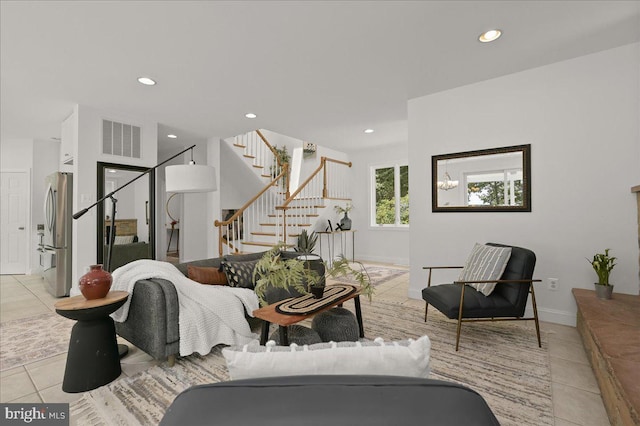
<point x="274" y="215"/>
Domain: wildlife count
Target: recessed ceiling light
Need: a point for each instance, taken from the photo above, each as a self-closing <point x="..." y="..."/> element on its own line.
<point x="250" y="115"/>
<point x="146" y="81"/>
<point x="489" y="36"/>
<point x="172" y="136"/>
<point x="368" y="130"/>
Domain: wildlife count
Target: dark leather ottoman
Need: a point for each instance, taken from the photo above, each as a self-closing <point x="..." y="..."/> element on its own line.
<point x="330" y="400"/>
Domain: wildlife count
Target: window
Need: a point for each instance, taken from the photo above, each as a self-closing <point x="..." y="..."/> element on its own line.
<point x="390" y="195"/>
<point x="499" y="188"/>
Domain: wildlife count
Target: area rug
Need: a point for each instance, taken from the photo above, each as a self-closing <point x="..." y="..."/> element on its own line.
<point x="24" y="341"/>
<point x="378" y="274"/>
<point x="500" y="361"/>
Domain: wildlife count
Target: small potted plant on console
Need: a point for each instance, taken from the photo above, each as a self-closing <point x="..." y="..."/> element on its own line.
<point x="603" y="264"/>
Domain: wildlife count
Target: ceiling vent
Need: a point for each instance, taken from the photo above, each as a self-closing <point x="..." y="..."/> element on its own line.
<point x="120" y="139"/>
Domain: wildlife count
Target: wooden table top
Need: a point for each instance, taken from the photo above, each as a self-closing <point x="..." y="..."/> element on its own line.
<point x="269" y="313"/>
<point x="79" y="302"/>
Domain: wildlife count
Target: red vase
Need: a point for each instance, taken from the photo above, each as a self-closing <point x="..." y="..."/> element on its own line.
<point x="96" y="283"/>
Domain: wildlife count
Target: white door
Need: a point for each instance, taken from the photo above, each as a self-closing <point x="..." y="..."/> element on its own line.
<point x="14" y="193"/>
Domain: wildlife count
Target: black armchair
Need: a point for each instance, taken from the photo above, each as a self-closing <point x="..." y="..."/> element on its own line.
<point x="507" y="302"/>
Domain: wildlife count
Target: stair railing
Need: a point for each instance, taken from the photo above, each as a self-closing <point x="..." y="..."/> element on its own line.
<point x="247" y="219"/>
<point x="296" y="212"/>
<point x="263" y="155"/>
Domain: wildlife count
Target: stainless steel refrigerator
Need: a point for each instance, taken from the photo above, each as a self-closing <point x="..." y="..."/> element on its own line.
<point x="55" y="249"/>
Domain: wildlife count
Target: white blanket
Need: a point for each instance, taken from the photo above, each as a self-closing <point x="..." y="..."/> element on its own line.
<point x="208" y="315"/>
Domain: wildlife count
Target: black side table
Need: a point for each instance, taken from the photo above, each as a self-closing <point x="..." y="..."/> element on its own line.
<point x="93" y="359"/>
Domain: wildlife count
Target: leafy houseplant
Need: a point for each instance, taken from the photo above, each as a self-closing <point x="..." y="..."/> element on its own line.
<point x="295" y="275"/>
<point x="306" y="242"/>
<point x="603" y="264"/>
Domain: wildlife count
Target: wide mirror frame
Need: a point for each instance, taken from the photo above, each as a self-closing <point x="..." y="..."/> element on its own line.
<point x="102" y="208"/>
<point x="439" y="168"/>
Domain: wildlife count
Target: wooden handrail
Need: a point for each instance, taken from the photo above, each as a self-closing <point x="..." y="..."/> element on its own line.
<point x="273" y="150"/>
<point x="286" y="202"/>
<point x="248" y="203"/>
<point x="283" y="166"/>
<point x="333" y="160"/>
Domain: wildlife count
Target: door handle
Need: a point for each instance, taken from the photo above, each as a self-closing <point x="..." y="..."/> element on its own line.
<point x="21" y="228"/>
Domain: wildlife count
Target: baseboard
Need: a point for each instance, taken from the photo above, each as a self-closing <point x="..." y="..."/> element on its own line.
<point x="544" y="314"/>
<point x="392" y="260"/>
<point x="555" y="316"/>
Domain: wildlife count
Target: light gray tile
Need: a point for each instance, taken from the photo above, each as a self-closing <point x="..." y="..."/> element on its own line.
<point x="575" y="374"/>
<point x="568" y="350"/>
<point x="579" y="406"/>
<point x="561" y="422"/>
<point x="32" y="398"/>
<point x="48" y="372"/>
<point x="55" y="394"/>
<point x="561" y="332"/>
<point x="7" y="279"/>
<point x="11" y="372"/>
<point x="16" y="386"/>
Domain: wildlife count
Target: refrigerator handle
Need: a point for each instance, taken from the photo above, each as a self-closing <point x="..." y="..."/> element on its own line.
<point x="47" y="197"/>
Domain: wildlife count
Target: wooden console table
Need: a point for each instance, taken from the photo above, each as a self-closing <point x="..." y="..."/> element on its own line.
<point x="331" y="235"/>
<point x="610" y="331"/>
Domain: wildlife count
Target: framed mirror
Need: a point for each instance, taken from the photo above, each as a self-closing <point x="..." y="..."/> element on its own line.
<point x="135" y="214"/>
<point x="488" y="180"/>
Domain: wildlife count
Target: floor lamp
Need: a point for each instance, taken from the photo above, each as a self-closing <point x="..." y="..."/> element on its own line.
<point x="178" y="178"/>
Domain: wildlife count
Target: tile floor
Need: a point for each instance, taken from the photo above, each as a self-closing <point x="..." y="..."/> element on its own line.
<point x="576" y="397"/>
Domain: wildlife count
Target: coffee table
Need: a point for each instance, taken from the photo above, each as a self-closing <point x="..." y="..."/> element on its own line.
<point x="269" y="314"/>
<point x="93" y="359"/>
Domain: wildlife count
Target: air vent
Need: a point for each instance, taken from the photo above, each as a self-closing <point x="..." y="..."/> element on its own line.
<point x="120" y="139"/>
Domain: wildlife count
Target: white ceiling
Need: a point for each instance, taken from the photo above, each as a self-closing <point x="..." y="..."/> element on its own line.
<point x="320" y="71"/>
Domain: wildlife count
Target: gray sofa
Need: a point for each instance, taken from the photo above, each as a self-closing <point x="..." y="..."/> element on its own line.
<point x="152" y="323"/>
<point x="330" y="400"/>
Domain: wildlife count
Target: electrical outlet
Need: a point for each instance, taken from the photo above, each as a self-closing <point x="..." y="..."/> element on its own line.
<point x="552" y="284"/>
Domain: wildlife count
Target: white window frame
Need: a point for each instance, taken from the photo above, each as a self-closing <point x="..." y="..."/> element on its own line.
<point x="396" y="189"/>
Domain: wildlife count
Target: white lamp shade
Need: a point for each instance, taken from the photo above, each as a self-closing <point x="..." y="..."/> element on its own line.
<point x="190" y="178"/>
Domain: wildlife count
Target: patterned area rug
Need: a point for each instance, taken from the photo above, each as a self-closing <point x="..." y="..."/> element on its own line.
<point x="378" y="274"/>
<point x="24" y="341"/>
<point x="501" y="361"/>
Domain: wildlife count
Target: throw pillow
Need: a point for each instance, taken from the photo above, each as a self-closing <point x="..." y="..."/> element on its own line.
<point x="403" y="358"/>
<point x="485" y="263"/>
<point x="240" y="274"/>
<point x="123" y="239"/>
<point x="213" y="276"/>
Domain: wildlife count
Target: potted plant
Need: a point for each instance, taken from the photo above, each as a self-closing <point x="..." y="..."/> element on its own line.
<point x="345" y="222"/>
<point x="280" y="274"/>
<point x="306" y="242"/>
<point x="603" y="264"/>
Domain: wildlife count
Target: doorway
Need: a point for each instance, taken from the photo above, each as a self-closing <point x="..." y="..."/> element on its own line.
<point x="14" y="222"/>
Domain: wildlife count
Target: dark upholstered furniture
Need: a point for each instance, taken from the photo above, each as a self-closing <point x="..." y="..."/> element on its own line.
<point x="330" y="400"/>
<point x="507" y="301"/>
<point x="152" y="323"/>
<point x="126" y="253"/>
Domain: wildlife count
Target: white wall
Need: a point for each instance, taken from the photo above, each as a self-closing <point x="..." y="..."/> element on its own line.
<point x="39" y="159"/>
<point x="378" y="244"/>
<point x="581" y="118"/>
<point x="87" y="152"/>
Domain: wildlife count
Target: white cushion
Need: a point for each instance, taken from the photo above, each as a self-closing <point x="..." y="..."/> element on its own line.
<point x="123" y="239"/>
<point x="404" y="358"/>
<point x="485" y="263"/>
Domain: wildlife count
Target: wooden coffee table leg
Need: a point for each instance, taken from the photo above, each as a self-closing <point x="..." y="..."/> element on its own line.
<point x="264" y="335"/>
<point x="284" y="335"/>
<point x="356" y="301"/>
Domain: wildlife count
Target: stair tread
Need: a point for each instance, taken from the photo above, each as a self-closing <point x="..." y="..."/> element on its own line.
<point x="288" y="224"/>
<point x="256" y="243"/>
<point x="239" y="146"/>
<point x="248" y="156"/>
<point x="297" y="215"/>
<point x="271" y="234"/>
<point x="257" y="166"/>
